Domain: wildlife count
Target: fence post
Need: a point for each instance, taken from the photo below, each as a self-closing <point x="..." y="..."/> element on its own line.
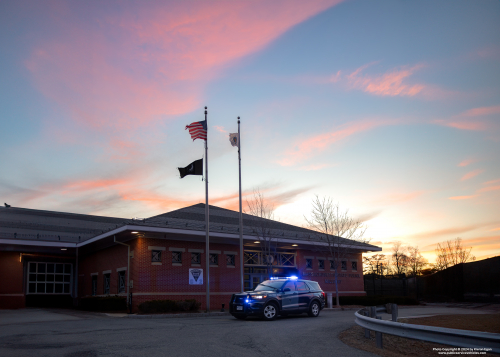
<point x="394" y="310"/>
<point x="378" y="335"/>
<point x="329" y="299"/>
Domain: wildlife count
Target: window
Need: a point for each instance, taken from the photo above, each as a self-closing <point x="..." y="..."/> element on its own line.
<point x="195" y="258"/>
<point x="156" y="256"/>
<point x="177" y="257"/>
<point x="290" y="285"/>
<point x="214" y="259"/>
<point x="121" y="281"/>
<point x="344" y="265"/>
<point x="107" y="278"/>
<point x="49" y="278"/>
<point x="301" y="286"/>
<point x="94" y="285"/>
<point x="321" y="264"/>
<point x="332" y="264"/>
<point x="309" y="263"/>
<point x="230" y="260"/>
<point x="354" y="266"/>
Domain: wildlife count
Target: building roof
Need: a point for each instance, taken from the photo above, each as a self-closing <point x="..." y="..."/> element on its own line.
<point x="21" y="223"/>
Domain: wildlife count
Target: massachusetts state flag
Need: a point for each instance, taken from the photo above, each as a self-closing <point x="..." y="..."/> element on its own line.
<point x="198" y="130"/>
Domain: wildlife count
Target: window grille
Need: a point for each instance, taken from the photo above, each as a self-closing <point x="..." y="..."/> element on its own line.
<point x="309" y="263"/>
<point x="121" y="281"/>
<point x="177" y="257"/>
<point x="49" y="278"/>
<point x="332" y="264"/>
<point x="107" y="283"/>
<point x="286" y="259"/>
<point x="344" y="265"/>
<point x="195" y="258"/>
<point x="156" y="256"/>
<point x="230" y="260"/>
<point x="321" y="264"/>
<point x="354" y="266"/>
<point x="214" y="259"/>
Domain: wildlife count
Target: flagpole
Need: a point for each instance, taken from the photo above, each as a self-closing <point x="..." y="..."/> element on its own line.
<point x="207" y="234"/>
<point x="242" y="257"/>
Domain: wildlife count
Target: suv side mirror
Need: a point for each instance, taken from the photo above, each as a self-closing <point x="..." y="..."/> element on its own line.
<point x="286" y="289"/>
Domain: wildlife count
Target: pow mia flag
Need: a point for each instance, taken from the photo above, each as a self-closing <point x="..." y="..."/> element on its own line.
<point x="194" y="168"/>
<point x="195" y="276"/>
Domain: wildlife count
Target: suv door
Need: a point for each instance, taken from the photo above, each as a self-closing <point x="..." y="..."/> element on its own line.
<point x="304" y="294"/>
<point x="289" y="299"/>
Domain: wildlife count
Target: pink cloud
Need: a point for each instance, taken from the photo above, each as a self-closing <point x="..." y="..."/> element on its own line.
<point x="315" y="144"/>
<point x="466" y="162"/>
<point x="471" y="174"/>
<point x="482" y="111"/>
<point x="151" y="61"/>
<point x="220" y="128"/>
<point x="388" y="84"/>
<point x="489" y="188"/>
<point x="491" y="182"/>
<point x="463" y="124"/>
<point x="398" y="197"/>
<point x="462" y="197"/>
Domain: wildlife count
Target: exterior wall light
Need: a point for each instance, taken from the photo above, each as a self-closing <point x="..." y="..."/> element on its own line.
<point x="64" y="249"/>
<point x="256" y="242"/>
<point x="135" y="232"/>
<point x="295" y="245"/>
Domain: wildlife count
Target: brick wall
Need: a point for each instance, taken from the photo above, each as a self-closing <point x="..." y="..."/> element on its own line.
<point x="350" y="281"/>
<point x="171" y="281"/>
<point x="11" y="289"/>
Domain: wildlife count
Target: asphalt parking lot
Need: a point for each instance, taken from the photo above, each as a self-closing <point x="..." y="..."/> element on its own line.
<point x="43" y="332"/>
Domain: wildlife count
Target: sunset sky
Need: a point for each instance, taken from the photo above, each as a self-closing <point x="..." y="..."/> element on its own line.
<point x="391" y="108"/>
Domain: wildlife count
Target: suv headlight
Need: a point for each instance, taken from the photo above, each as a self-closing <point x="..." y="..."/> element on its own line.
<point x="259" y="297"/>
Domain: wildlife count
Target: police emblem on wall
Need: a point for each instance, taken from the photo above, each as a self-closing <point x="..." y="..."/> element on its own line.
<point x="195" y="276"/>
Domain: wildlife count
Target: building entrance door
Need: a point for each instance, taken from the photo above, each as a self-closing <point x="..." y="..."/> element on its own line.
<point x="253" y="277"/>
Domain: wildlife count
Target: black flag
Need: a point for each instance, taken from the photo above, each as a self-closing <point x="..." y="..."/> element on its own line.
<point x="194" y="168"/>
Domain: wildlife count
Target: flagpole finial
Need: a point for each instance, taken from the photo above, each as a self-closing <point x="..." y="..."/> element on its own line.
<point x="205" y="110"/>
<point x="238" y="120"/>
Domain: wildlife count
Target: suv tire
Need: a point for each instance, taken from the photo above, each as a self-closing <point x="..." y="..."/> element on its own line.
<point x="270" y="312"/>
<point x="314" y="309"/>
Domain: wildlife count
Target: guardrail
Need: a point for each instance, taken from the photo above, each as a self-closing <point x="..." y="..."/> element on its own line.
<point x="368" y="318"/>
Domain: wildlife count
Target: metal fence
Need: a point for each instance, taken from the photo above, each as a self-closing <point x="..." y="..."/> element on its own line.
<point x="371" y="321"/>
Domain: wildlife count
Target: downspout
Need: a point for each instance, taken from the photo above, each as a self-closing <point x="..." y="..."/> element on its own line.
<point x="128" y="273"/>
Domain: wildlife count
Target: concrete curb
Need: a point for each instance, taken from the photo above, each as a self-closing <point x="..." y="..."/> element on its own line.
<point x="169" y="316"/>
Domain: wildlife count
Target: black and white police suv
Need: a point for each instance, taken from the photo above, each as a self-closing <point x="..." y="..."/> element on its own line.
<point x="279" y="296"/>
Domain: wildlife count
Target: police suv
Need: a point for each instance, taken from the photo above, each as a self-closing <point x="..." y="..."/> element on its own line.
<point x="279" y="296"/>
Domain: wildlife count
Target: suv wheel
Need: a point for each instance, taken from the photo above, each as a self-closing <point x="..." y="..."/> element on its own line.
<point x="270" y="312"/>
<point x="314" y="309"/>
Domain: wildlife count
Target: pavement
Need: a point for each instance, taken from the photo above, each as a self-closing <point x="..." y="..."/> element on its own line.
<point x="72" y="333"/>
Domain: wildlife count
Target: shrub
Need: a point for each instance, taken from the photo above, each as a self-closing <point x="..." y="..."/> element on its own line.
<point x="166" y="306"/>
<point x="104" y="303"/>
<point x="377" y="300"/>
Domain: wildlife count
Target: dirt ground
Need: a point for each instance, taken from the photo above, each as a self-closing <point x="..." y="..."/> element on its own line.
<point x="395" y="346"/>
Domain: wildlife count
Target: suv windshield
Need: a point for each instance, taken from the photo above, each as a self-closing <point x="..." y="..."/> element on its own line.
<point x="269" y="285"/>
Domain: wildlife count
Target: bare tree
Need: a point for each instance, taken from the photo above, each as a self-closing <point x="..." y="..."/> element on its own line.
<point x="399" y="258"/>
<point x="375" y="264"/>
<point x="416" y="262"/>
<point x="263" y="213"/>
<point x="451" y="253"/>
<point x="338" y="235"/>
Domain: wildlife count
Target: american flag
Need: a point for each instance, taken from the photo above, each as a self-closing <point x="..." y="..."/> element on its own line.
<point x="198" y="130"/>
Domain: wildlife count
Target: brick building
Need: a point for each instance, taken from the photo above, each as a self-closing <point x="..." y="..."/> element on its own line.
<point x="56" y="258"/>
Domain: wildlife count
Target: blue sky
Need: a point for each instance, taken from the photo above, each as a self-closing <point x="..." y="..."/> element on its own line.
<point x="390" y="108"/>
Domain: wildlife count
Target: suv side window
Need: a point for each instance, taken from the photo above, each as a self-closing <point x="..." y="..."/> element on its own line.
<point x="314" y="285"/>
<point x="301" y="286"/>
<point x="290" y="285"/>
